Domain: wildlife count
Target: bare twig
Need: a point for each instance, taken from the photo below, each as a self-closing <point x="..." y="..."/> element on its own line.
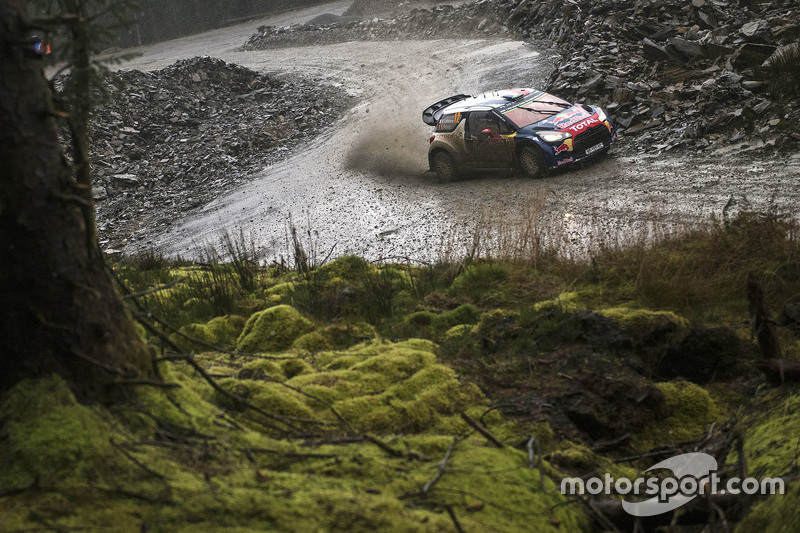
<point x="534" y="442"/>
<point x="452" y="515"/>
<point x="136" y="461"/>
<point x="481" y="429"/>
<point x="440" y="471"/>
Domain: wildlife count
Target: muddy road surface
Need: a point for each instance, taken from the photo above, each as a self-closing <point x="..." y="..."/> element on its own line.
<point x="364" y="188"/>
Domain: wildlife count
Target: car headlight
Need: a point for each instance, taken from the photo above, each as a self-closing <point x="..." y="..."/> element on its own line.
<point x="553" y="136"/>
<point x="601" y="115"/>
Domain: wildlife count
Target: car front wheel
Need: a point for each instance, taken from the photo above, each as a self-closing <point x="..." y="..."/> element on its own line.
<point x="531" y="162"/>
<point x="445" y="166"/>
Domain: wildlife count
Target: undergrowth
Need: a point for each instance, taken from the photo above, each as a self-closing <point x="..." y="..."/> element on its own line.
<point x="344" y="395"/>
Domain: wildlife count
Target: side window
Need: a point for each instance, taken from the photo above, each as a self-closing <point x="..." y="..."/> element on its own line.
<point x="448" y="122"/>
<point x="502" y="126"/>
<point x="483" y="120"/>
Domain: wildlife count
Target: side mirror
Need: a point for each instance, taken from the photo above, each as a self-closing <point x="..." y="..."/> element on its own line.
<point x="487" y="131"/>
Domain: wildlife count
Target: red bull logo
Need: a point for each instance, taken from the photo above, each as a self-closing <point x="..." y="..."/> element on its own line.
<point x="569" y="117"/>
<point x="566" y="146"/>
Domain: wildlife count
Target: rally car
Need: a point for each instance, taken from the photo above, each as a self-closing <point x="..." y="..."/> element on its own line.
<point x="523" y="129"/>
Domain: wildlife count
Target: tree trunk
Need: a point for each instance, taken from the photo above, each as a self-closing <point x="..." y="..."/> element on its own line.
<point x="60" y="311"/>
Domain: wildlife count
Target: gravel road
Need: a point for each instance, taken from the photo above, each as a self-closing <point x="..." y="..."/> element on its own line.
<point x="364" y="188"/>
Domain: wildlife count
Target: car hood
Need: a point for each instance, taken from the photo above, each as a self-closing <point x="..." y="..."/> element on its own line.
<point x="573" y="120"/>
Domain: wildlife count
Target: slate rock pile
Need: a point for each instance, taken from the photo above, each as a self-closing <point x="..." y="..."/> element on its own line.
<point x="467" y="21"/>
<point x="369" y="8"/>
<point x="171" y="140"/>
<point x="674" y="73"/>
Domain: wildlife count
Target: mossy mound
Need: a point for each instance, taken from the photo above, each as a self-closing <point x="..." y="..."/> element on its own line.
<point x="48" y="436"/>
<point x="568" y="302"/>
<point x="482" y="283"/>
<point x="771" y="436"/>
<point x="172" y="462"/>
<point x="226" y="330"/>
<point x="643" y="324"/>
<point x="201" y="332"/>
<point x="577" y="460"/>
<point x="273" y="330"/>
<point x="335" y="337"/>
<point x="434" y="326"/>
<point x="687" y="414"/>
<point x="176" y="463"/>
<point x="379" y="387"/>
<point x="347" y="268"/>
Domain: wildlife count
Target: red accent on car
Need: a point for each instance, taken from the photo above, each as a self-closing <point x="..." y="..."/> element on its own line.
<point x="432" y="138"/>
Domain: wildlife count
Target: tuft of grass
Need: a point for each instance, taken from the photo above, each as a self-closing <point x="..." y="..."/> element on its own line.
<point x="704" y="268"/>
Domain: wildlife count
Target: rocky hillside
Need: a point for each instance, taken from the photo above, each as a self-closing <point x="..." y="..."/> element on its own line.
<point x="674" y="73"/>
<point x="167" y="141"/>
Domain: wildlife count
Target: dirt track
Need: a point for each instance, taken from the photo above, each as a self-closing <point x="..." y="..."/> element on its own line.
<point x="364" y="188"/>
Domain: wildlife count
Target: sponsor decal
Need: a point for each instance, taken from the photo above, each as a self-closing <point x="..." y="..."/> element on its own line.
<point x="565" y="161"/>
<point x="566" y="146"/>
<point x="582" y="126"/>
<point x="568" y="118"/>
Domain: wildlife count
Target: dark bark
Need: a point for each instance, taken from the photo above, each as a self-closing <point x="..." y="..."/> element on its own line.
<point x="60" y="311"/>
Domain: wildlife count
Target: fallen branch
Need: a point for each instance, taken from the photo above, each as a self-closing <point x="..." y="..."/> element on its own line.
<point x="452" y="515"/>
<point x="474" y="424"/>
<point x="136" y="461"/>
<point x="537" y="456"/>
<point x="440" y="471"/>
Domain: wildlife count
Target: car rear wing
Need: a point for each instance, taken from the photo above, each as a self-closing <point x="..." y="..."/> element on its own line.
<point x="432" y="115"/>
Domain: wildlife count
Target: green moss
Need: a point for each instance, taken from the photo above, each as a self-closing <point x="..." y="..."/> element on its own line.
<point x="348" y="268"/>
<point x="777" y="513"/>
<point x="213" y="476"/>
<point x="459" y="332"/>
<point x="262" y="369"/>
<point x="483" y="283"/>
<point x="226" y="329"/>
<point x="772" y="434"/>
<point x="48" y="435"/>
<point x="420" y="318"/>
<point x="463" y="314"/>
<point x="688" y="412"/>
<point x="272" y="330"/>
<point x="295" y="367"/>
<point x="200" y="332"/>
<point x="578" y="460"/>
<point x="335" y="337"/>
<point x="568" y="302"/>
<point x="643" y="323"/>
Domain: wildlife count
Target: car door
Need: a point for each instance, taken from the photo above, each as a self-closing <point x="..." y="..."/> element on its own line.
<point x="492" y="148"/>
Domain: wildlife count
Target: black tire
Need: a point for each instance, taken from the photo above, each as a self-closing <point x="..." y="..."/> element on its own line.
<point x="531" y="162"/>
<point x="445" y="166"/>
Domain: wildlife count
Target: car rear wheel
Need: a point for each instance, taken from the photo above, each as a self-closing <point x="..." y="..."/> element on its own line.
<point x="445" y="166"/>
<point x="531" y="162"/>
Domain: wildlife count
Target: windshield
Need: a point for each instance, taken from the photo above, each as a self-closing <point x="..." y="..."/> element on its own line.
<point x="533" y="111"/>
